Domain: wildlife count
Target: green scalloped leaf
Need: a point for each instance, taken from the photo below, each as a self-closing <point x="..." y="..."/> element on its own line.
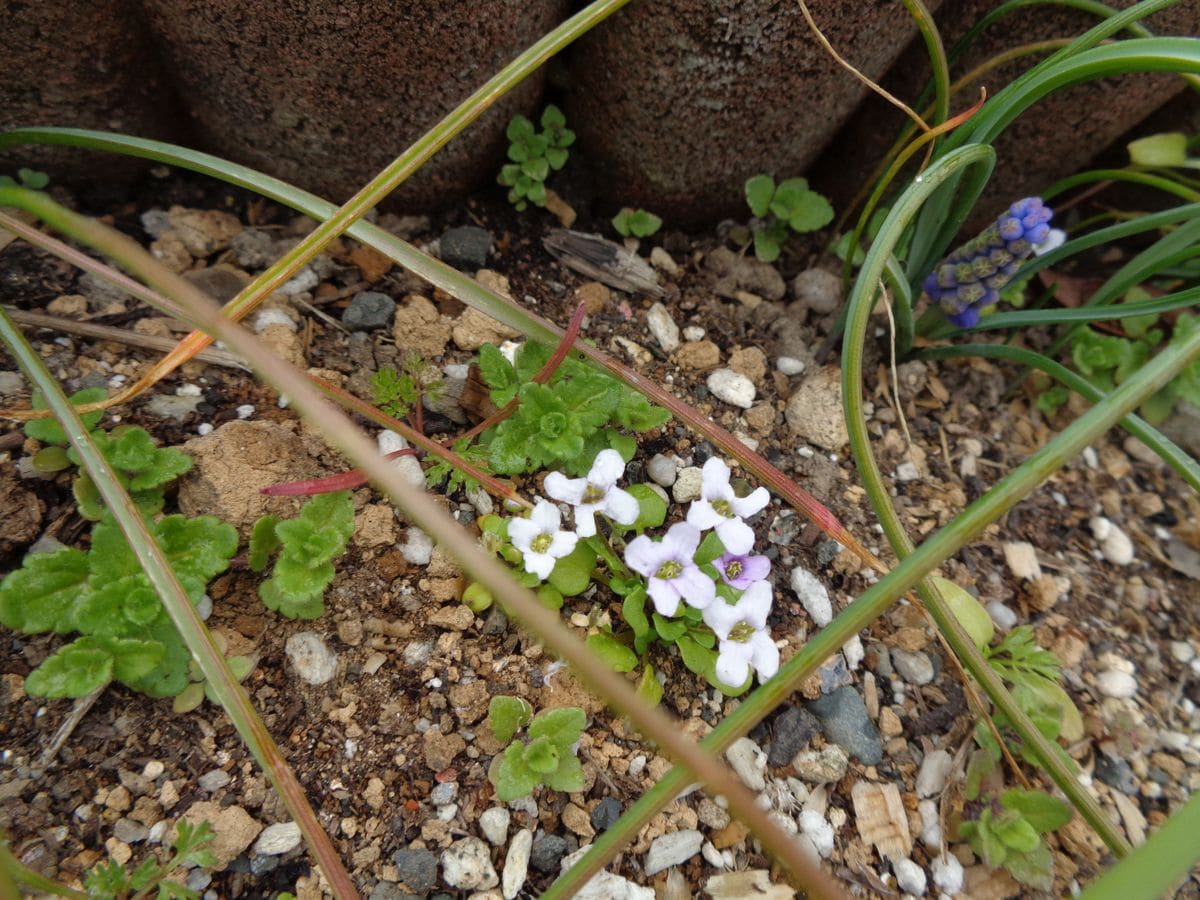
<point x="75" y="670"/>
<point x="48" y="431"/>
<point x="44" y="593"/>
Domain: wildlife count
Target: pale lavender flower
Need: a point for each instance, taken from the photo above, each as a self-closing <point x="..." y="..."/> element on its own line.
<point x="598" y="492"/>
<point x="742" y="570"/>
<point x="671" y="572"/>
<point x="720" y="508"/>
<point x="541" y="542"/>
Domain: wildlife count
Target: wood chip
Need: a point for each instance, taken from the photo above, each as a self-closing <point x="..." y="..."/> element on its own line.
<point x="1022" y="560"/>
<point x="603" y="260"/>
<point x="751" y="883"/>
<point x="881" y="819"/>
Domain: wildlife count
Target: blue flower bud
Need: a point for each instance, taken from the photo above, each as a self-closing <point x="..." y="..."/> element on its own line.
<point x="971" y="278"/>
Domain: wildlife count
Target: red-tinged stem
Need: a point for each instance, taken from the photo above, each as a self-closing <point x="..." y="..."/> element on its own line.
<point x="343" y="481"/>
<point x="545" y="373"/>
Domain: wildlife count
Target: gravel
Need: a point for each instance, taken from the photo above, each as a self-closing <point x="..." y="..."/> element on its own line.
<point x="279" y="839"/>
<point x="606" y="813"/>
<point x="732" y="387"/>
<point x="466" y="248"/>
<point x="663" y="327"/>
<point x="547" y="850"/>
<point x="793" y="729"/>
<point x="747" y="759"/>
<point x="417" y="868"/>
<point x="812" y="595"/>
<point x="516" y="864"/>
<point x="671" y="850"/>
<point x="493" y="822"/>
<point x="369" y="311"/>
<point x="314" y="662"/>
<point x="845" y="721"/>
<point x="467" y="864"/>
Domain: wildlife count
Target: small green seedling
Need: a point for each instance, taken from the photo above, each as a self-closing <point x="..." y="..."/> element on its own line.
<point x="636" y="223"/>
<point x="142" y="468"/>
<point x="397" y="392"/>
<point x="26" y="178"/>
<point x="548" y="757"/>
<point x="103" y="595"/>
<point x="111" y="881"/>
<point x="307" y="546"/>
<point x="563" y="423"/>
<point x="1009" y="832"/>
<point x="789" y="207"/>
<point x="534" y="155"/>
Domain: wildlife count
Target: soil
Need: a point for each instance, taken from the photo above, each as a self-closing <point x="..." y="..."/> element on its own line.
<point x="405" y="712"/>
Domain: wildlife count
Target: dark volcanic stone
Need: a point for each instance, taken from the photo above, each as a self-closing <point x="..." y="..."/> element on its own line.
<point x="466" y="248"/>
<point x="1116" y="773"/>
<point x="418" y="869"/>
<point x="845" y="721"/>
<point x="368" y="311"/>
<point x="606" y="813"/>
<point x="793" y="729"/>
<point x="547" y="851"/>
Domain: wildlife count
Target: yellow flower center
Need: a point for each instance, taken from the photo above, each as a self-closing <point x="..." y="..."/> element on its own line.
<point x="668" y="570"/>
<point x="541" y="543"/>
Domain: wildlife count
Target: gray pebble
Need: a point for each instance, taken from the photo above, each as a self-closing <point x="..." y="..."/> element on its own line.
<point x="824" y="766"/>
<point x="793" y="728"/>
<point x="817" y="290"/>
<point x="417" y="868"/>
<point x="444" y="793"/>
<point x="671" y="850"/>
<point x="547" y="850"/>
<point x="687" y="485"/>
<point x="1116" y="773"/>
<point x="466" y="248"/>
<point x="845" y="721"/>
<point x="278" y="839"/>
<point x="214" y="780"/>
<point x="129" y="831"/>
<point x="314" y="662"/>
<point x="915" y="667"/>
<point x="493" y="823"/>
<point x="662" y="470"/>
<point x="368" y="311"/>
<point x="606" y="813"/>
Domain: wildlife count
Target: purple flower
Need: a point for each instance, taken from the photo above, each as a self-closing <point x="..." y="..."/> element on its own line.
<point x="720" y="508"/>
<point x="742" y="570"/>
<point x="970" y="279"/>
<point x="671" y="572"/>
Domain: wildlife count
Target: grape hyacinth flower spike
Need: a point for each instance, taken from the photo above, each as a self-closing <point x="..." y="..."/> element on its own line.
<point x="970" y="279"/>
<point x="541" y="542"/>
<point x="598" y="492"/>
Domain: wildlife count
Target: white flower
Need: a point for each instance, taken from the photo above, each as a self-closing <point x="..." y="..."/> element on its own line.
<point x="598" y="492"/>
<point x="1054" y="239"/>
<point x="752" y="608"/>
<point x="672" y="573"/>
<point x="719" y="508"/>
<point x="540" y="540"/>
<point x="745" y="641"/>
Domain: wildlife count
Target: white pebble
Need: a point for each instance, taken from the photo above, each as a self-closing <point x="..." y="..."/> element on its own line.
<point x="304" y="280"/>
<point x="1004" y="618"/>
<point x="693" y="333"/>
<point x="204" y="428"/>
<point x="493" y="823"/>
<point x="812" y="595"/>
<point x="268" y="317"/>
<point x="407" y="465"/>
<point x="188" y="390"/>
<point x="935" y="771"/>
<point x="663" y="327"/>
<point x="687" y="485"/>
<point x="637" y="765"/>
<point x="671" y="850"/>
<point x="907" y="471"/>
<point x="516" y="863"/>
<point x="314" y="662"/>
<point x="789" y="365"/>
<point x="509" y="350"/>
<point x="662" y="470"/>
<point x="1120" y="685"/>
<point x="712" y="855"/>
<point x="948" y="874"/>
<point x="910" y="877"/>
<point x="278" y="839"/>
<point x="417" y="547"/>
<point x="931" y="824"/>
<point x="1182" y="651"/>
<point x="818" y="830"/>
<point x="853" y="652"/>
<point x="1115" y="544"/>
<point x="245" y="411"/>
<point x="732" y="387"/>
<point x="748" y="761"/>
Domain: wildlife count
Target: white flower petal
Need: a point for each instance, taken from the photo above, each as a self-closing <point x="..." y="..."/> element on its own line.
<point x="755" y="604"/>
<point x="696" y="588"/>
<point x="714" y="478"/>
<point x="664" y="595"/>
<point x="721" y="616"/>
<point x="585" y="519"/>
<point x="733" y="663"/>
<point x="568" y="490"/>
<point x="540" y="564"/>
<point x="681" y="541"/>
<point x="562" y="543"/>
<point x="546" y="516"/>
<point x="621" y="506"/>
<point x="606" y="469"/>
<point x="522" y="532"/>
<point x="702" y="515"/>
<point x="736" y="535"/>
<point x="643" y="555"/>
<point x="765" y="656"/>
<point x="752" y="503"/>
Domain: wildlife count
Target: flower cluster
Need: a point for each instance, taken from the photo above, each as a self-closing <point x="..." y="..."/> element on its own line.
<point x="674" y="576"/>
<point x="716" y="580"/>
<point x="971" y="278"/>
